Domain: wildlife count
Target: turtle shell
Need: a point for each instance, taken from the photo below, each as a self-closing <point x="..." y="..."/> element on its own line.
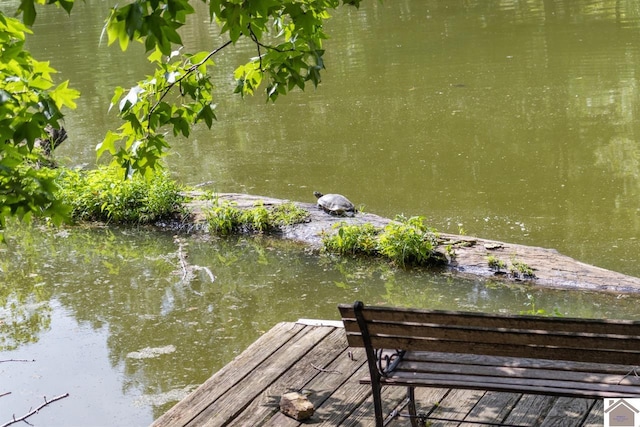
<point x="335" y="204"/>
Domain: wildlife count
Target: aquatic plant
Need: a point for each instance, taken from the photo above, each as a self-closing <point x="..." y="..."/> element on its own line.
<point x="534" y="310"/>
<point x="226" y="218"/>
<point x="103" y="194"/>
<point x="406" y="241"/>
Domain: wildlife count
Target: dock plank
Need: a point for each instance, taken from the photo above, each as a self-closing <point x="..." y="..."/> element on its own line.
<point x="596" y="415"/>
<point x="196" y="402"/>
<point x="322" y="386"/>
<point x="241" y="394"/>
<point x="456" y="405"/>
<point x="265" y="406"/>
<point x="568" y="412"/>
<point x="531" y="410"/>
<point x="493" y="407"/>
<point x="314" y="358"/>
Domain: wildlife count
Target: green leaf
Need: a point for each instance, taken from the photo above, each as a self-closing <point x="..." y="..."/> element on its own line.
<point x="63" y="96"/>
<point x="28" y="10"/>
<point x="108" y="144"/>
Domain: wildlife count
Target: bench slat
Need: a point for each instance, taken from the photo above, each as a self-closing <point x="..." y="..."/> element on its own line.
<point x="550" y="390"/>
<point x="537" y="352"/>
<point x="521" y="362"/>
<point x="427" y="367"/>
<point x="454" y="318"/>
<point x="513" y="336"/>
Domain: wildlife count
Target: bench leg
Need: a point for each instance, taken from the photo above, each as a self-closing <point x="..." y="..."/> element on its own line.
<point x="376" y="388"/>
<point x="412" y="407"/>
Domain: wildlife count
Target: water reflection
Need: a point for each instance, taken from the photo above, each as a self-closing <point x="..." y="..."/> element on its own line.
<point x="118" y="309"/>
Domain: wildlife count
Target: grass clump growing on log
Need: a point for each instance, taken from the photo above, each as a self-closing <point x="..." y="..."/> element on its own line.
<point x="353" y="239"/>
<point x="521" y="269"/>
<point x="104" y="195"/>
<point x="496" y="263"/>
<point x="227" y="218"/>
<point x="407" y="241"/>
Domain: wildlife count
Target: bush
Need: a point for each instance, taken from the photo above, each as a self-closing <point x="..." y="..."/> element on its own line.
<point x="104" y="195"/>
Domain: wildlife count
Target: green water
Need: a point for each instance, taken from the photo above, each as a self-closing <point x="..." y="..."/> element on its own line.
<point x="512" y="120"/>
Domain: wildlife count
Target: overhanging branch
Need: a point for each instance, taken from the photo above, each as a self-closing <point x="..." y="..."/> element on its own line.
<point x="189" y="70"/>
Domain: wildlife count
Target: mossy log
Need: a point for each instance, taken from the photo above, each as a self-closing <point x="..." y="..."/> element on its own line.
<point x="550" y="268"/>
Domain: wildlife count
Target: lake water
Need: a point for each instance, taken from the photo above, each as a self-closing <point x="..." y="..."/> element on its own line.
<point x="511" y="120"/>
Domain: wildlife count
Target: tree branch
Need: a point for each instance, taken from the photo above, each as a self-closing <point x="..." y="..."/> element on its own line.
<point x="178" y="80"/>
<point x="34" y="411"/>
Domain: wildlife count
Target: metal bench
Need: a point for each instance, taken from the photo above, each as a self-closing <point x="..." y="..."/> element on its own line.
<point x="592" y="358"/>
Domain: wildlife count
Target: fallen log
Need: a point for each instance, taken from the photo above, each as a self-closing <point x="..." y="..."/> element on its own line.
<point x="551" y="269"/>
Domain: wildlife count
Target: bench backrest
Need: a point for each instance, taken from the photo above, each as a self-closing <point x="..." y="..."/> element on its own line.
<point x="556" y="338"/>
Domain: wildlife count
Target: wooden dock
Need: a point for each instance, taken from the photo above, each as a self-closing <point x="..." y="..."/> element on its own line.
<point x="312" y="357"/>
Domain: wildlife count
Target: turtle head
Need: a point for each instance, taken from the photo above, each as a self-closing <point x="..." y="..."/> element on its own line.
<point x="317" y="194"/>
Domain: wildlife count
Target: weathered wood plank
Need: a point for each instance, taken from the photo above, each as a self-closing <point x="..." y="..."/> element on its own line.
<point x="493" y="407"/>
<point x="515" y="363"/>
<point x="426" y="366"/>
<point x="596" y="415"/>
<point x="363" y="415"/>
<point x="321" y="387"/>
<point x="530" y="410"/>
<point x="517" y="337"/>
<point x="456" y="405"/>
<point x="188" y="408"/>
<point x="299" y="374"/>
<point x="506" y="382"/>
<point x="506" y="349"/>
<point x="240" y="395"/>
<point x="568" y="412"/>
<point x="344" y="400"/>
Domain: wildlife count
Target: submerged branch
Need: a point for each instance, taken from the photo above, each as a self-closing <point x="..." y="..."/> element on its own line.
<point x="186" y="269"/>
<point x="34" y="411"/>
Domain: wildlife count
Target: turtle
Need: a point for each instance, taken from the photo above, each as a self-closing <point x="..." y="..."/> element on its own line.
<point x="335" y="204"/>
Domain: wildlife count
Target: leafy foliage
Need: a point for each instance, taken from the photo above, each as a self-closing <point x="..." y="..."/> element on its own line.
<point x="29" y="103"/>
<point x="226" y="218"/>
<point x="353" y="239"/>
<point x="288" y="38"/>
<point x="406" y="241"/>
<point x="103" y="195"/>
<point x="287" y="35"/>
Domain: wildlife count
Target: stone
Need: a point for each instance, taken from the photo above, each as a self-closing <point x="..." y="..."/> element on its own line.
<point x="296" y="405"/>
